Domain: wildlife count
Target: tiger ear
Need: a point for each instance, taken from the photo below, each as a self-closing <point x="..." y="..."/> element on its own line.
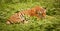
<point x="45" y="7"/>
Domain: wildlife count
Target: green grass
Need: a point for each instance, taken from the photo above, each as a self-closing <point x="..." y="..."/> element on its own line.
<point x="48" y="24"/>
<point x="51" y="23"/>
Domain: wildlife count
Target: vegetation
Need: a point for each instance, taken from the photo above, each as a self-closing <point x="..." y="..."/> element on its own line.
<point x="51" y="23"/>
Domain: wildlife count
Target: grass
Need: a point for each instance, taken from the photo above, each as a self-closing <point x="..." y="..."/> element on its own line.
<point x="48" y="24"/>
<point x="51" y="23"/>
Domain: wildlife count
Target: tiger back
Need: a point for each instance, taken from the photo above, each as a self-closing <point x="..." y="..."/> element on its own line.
<point x="37" y="11"/>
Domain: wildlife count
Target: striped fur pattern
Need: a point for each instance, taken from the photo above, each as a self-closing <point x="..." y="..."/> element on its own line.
<point x="36" y="11"/>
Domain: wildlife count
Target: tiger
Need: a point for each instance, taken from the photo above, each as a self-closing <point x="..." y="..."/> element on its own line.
<point x="18" y="17"/>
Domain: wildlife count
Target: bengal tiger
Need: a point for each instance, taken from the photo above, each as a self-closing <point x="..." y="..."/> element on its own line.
<point x="36" y="11"/>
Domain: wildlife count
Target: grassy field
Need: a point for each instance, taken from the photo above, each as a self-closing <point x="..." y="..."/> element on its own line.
<point x="51" y="23"/>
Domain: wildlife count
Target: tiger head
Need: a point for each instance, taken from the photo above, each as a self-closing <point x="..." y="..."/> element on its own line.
<point x="40" y="11"/>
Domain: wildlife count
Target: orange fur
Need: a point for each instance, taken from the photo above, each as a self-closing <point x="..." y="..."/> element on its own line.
<point x="37" y="11"/>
